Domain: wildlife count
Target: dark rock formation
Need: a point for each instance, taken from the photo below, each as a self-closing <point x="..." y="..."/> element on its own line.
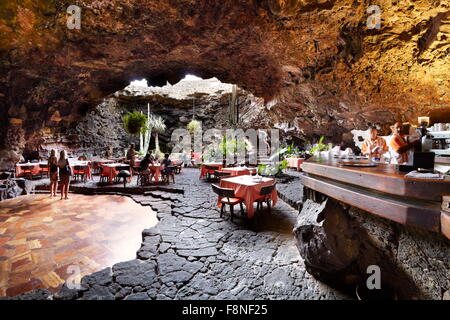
<point x="338" y="251"/>
<point x="12" y="188"/>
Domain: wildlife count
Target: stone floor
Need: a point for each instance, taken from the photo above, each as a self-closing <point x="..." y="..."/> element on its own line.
<point x="192" y="253"/>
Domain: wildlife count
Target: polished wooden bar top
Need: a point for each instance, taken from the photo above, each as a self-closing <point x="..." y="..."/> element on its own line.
<point x="383" y="178"/>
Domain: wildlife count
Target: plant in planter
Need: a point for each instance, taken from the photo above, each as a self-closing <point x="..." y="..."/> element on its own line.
<point x="319" y="146"/>
<point x="272" y="169"/>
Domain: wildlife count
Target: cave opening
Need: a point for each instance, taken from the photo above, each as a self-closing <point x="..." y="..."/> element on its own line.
<point x="100" y="130"/>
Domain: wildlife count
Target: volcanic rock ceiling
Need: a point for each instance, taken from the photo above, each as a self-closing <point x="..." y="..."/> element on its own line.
<point x="316" y="62"/>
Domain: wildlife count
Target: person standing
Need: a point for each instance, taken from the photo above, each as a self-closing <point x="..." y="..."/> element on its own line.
<point x="65" y="172"/>
<point x="399" y="145"/>
<point x="131" y="155"/>
<point x="53" y="169"/>
<point x="374" y="146"/>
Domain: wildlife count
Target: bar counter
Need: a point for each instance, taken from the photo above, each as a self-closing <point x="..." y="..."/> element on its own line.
<point x="382" y="190"/>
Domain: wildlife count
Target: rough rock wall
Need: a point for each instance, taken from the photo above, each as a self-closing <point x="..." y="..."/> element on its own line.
<point x="319" y="67"/>
<point x="339" y="242"/>
<point x="102" y="127"/>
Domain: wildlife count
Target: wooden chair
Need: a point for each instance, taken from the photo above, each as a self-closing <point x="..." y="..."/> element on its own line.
<point x="96" y="168"/>
<point x="220" y="174"/>
<point x="166" y="175"/>
<point x="210" y="172"/>
<point x="143" y="177"/>
<point x="265" y="197"/>
<point x="27" y="171"/>
<point x="81" y="172"/>
<point x="228" y="198"/>
<point x="103" y="176"/>
<point x="43" y="169"/>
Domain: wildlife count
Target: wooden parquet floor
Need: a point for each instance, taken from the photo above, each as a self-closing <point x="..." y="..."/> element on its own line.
<point x="44" y="240"/>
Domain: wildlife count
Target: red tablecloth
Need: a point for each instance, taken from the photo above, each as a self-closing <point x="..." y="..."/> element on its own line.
<point x="156" y="171"/>
<point x="110" y="171"/>
<point x="203" y="170"/>
<point x="35" y="171"/>
<point x="82" y="163"/>
<point x="239" y="171"/>
<point x="295" y="163"/>
<point x="103" y="161"/>
<point x="175" y="162"/>
<point x="248" y="190"/>
<point x="196" y="156"/>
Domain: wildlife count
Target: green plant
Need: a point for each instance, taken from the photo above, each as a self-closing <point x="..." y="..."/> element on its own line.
<point x="319" y="146"/>
<point x="193" y="126"/>
<point x="140" y="153"/>
<point x="135" y="123"/>
<point x="287" y="151"/>
<point x="157" y="123"/>
<point x="231" y="147"/>
<point x="272" y="169"/>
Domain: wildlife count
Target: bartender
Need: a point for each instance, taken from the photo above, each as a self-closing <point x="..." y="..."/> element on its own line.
<point x="399" y="145"/>
<point x="374" y="146"/>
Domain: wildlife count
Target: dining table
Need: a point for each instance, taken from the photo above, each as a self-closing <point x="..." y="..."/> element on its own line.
<point x="203" y="170"/>
<point x="156" y="170"/>
<point x="110" y="170"/>
<point x="239" y="171"/>
<point x="87" y="164"/>
<point x="34" y="171"/>
<point x="248" y="189"/>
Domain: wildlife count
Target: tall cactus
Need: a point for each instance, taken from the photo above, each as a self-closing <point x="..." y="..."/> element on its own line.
<point x="144" y="139"/>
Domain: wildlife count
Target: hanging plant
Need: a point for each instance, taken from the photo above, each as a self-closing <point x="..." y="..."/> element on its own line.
<point x="135" y="123"/>
<point x="193" y="126"/>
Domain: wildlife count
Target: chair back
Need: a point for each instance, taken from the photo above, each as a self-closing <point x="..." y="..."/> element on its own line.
<point x="123" y="168"/>
<point x="267" y="190"/>
<point x="222" y="192"/>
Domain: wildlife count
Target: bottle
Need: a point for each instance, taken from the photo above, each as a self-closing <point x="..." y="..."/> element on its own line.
<point x="427" y="143"/>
